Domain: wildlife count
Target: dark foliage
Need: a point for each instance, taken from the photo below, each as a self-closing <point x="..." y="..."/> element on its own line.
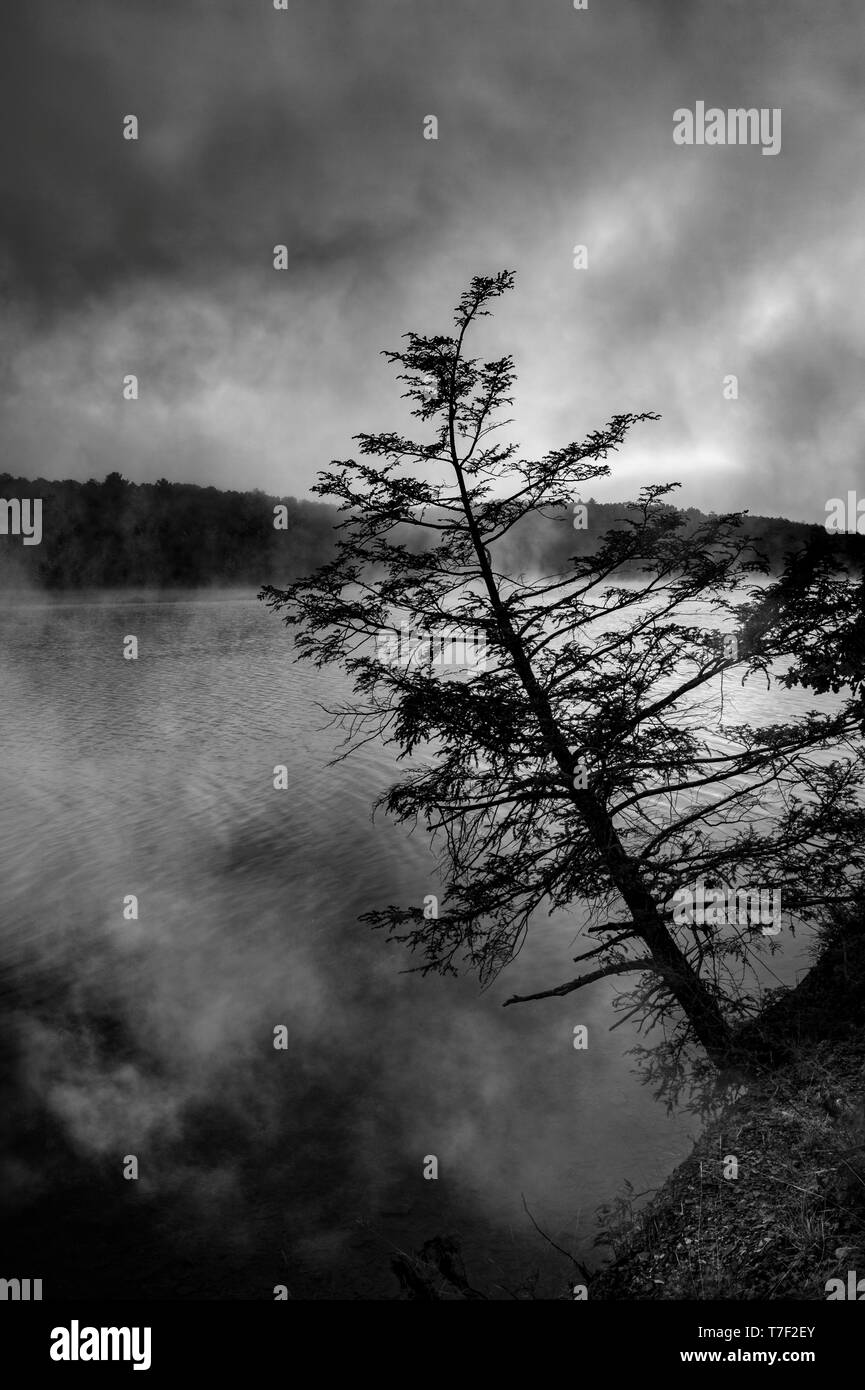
<point x="116" y="534"/>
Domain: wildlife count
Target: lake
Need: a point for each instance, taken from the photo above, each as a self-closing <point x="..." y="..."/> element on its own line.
<point x="153" y="1038"/>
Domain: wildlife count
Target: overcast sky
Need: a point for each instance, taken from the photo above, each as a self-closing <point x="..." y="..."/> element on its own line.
<point x="305" y="127"/>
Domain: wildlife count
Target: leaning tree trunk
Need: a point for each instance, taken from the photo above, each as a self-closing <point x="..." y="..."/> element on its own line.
<point x="683" y="982"/>
<point x="690" y="992"/>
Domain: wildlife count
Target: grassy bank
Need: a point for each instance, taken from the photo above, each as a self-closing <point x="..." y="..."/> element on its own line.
<point x="794" y="1216"/>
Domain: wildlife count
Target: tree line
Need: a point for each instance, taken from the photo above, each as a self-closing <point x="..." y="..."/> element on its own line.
<point x="116" y="533"/>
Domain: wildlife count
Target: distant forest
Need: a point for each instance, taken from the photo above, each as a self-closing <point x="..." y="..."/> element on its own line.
<point x="117" y="534"/>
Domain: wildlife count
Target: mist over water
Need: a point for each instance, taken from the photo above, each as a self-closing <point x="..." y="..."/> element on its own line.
<point x="154" y="1037"/>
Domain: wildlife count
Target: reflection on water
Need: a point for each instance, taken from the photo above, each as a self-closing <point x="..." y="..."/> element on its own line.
<point x="154" y="1037"/>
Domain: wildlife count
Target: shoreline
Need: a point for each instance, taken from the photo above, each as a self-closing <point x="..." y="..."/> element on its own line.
<point x="788" y="1214"/>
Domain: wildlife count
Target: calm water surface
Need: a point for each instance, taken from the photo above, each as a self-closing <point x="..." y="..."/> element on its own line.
<point x="154" y="1038"/>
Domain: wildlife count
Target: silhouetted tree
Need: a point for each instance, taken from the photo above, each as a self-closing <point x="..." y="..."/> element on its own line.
<point x="581" y="763"/>
<point x="589" y="760"/>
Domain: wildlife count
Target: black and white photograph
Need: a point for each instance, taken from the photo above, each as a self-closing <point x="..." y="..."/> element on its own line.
<point x="432" y="662"/>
